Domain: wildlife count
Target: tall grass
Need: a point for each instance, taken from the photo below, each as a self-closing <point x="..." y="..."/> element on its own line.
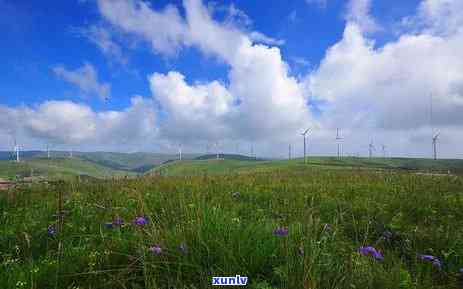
<point x="206" y="229"/>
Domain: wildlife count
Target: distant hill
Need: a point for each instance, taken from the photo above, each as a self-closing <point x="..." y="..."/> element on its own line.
<point x="228" y="157"/>
<point x="136" y="162"/>
<point x="131" y="162"/>
<point x="202" y="166"/>
<point x="56" y="168"/>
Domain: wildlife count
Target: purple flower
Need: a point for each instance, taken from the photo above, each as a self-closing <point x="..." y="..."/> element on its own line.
<point x="182" y="248"/>
<point x="429" y="258"/>
<point x="155" y="249"/>
<point x="461" y="270"/>
<point x="371" y="251"/>
<point x="51" y="230"/>
<point x="140" y="221"/>
<point x="109" y="225"/>
<point x="281" y="231"/>
<point x="118" y="222"/>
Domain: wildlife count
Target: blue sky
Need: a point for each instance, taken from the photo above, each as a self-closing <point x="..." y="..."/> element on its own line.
<point x="41" y="36"/>
<point x="54" y="53"/>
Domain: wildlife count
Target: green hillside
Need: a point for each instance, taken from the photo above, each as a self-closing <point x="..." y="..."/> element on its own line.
<point x="137" y="162"/>
<point x="212" y="166"/>
<point x="56" y="168"/>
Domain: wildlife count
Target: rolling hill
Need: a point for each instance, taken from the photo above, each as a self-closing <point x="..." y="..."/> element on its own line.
<point x="226" y="166"/>
<point x="56" y="168"/>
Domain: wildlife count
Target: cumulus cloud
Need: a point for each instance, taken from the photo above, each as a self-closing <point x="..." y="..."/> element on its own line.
<point x="358" y="12"/>
<point x="70" y="123"/>
<point x="259" y="100"/>
<point x="389" y="88"/>
<point x="165" y="30"/>
<point x="86" y="79"/>
<point x="193" y="111"/>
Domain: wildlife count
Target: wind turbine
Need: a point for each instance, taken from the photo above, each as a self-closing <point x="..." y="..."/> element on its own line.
<point x="217" y="149"/>
<point x="16" y="150"/>
<point x="371" y="148"/>
<point x="434" y="144"/>
<point x="383" y="148"/>
<point x="304" y="134"/>
<point x="338" y="140"/>
<point x="48" y="151"/>
<point x="180" y="152"/>
<point x="435" y="135"/>
<point x="289" y="152"/>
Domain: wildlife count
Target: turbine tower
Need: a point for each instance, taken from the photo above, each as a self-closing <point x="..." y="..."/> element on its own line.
<point x="289" y="152"/>
<point x="435" y="135"/>
<point x="434" y="144"/>
<point x="338" y="140"/>
<point x="383" y="148"/>
<point x="304" y="134"/>
<point x="48" y="151"/>
<point x="217" y="148"/>
<point x="180" y="152"/>
<point x="16" y="150"/>
<point x="371" y="148"/>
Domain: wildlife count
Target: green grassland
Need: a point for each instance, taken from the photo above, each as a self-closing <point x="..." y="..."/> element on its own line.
<point x="222" y="224"/>
<point x="227" y="166"/>
<point x="56" y="168"/>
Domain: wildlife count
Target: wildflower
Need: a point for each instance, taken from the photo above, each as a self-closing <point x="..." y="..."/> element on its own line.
<point x="155" y="249"/>
<point x="182" y="248"/>
<point x="109" y="225"/>
<point x="51" y="230"/>
<point x="140" y="221"/>
<point x="118" y="222"/>
<point x="429" y="258"/>
<point x="371" y="251"/>
<point x="300" y="251"/>
<point x="281" y="231"/>
<point x="236" y="195"/>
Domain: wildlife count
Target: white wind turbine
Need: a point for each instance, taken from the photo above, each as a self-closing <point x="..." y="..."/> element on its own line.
<point x="304" y="134"/>
<point x="371" y="148"/>
<point x="338" y="140"/>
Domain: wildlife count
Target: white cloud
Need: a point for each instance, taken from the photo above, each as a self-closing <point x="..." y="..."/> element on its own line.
<point x="260" y="99"/>
<point x="165" y="30"/>
<point x="258" y="37"/>
<point x="70" y="123"/>
<point x="86" y="79"/>
<point x="386" y="90"/>
<point x="358" y="12"/>
<point x="103" y="39"/>
<point x="193" y="111"/>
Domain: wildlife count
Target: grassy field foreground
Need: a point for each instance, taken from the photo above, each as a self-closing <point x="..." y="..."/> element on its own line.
<point x="282" y="229"/>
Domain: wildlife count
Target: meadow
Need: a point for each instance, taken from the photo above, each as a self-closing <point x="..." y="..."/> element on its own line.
<point x="284" y="226"/>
